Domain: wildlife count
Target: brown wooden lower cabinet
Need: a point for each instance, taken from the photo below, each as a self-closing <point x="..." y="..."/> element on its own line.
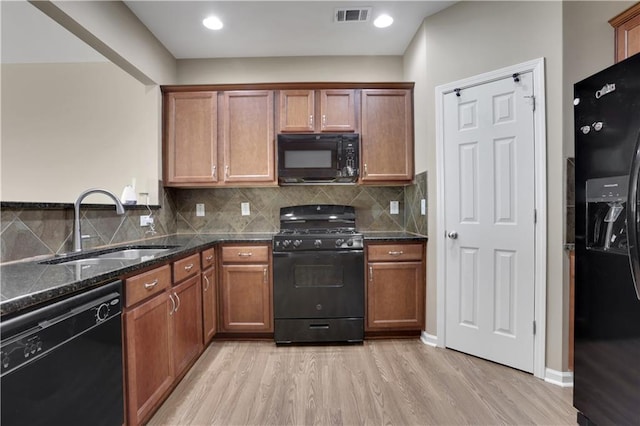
<point x="395" y="287"/>
<point x="187" y="320"/>
<point x="245" y="290"/>
<point x="149" y="356"/>
<point x="209" y="304"/>
<point x="163" y="333"/>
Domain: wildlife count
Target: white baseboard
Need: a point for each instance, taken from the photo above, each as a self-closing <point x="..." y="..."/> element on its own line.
<point x="429" y="339"/>
<point x="559" y="378"/>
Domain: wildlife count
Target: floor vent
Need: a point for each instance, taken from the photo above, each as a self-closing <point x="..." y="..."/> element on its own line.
<point x="345" y="15"/>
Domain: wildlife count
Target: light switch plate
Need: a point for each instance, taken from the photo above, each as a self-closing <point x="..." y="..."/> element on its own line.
<point x="423" y="207"/>
<point x="244" y="207"/>
<point x="200" y="209"/>
<point x="394" y="207"/>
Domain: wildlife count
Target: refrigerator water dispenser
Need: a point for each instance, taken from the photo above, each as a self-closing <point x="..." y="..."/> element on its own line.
<point x="606" y="214"/>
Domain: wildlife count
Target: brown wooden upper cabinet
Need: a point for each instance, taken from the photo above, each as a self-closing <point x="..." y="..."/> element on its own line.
<point x="191" y="138"/>
<point x="627" y="32"/>
<point x="248" y="137"/>
<point x="386" y="136"/>
<point x="328" y="110"/>
<point x="219" y="138"/>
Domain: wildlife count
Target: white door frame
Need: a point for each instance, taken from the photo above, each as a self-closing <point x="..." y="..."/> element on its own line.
<point x="536" y="66"/>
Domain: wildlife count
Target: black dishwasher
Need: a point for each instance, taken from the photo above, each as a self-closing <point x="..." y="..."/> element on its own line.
<point x="62" y="364"/>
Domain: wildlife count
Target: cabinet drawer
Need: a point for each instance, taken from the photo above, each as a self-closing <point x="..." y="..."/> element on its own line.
<point x="245" y="254"/>
<point x="144" y="285"/>
<point x="185" y="268"/>
<point x="208" y="258"/>
<point x="394" y="252"/>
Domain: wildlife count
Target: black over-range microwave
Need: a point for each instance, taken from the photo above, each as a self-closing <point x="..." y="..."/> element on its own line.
<point x="318" y="158"/>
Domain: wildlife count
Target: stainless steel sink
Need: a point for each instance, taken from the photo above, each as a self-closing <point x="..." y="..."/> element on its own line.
<point x="124" y="254"/>
<point x="86" y="261"/>
<point x="133" y="253"/>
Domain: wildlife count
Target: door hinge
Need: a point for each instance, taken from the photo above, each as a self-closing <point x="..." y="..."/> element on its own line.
<point x="533" y="101"/>
<point x="534" y="328"/>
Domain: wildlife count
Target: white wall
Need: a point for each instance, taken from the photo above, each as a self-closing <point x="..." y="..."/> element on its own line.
<point x="474" y="37"/>
<point x="290" y="69"/>
<point x="471" y="38"/>
<point x="69" y="127"/>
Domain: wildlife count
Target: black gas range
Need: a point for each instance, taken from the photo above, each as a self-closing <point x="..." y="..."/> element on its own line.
<point x="318" y="263"/>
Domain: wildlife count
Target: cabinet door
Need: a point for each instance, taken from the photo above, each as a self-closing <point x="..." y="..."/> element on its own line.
<point x="190" y="143"/>
<point x="246" y="298"/>
<point x="149" y="361"/>
<point x="337" y="110"/>
<point x="395" y="296"/>
<point x="248" y="137"/>
<point x="296" y="111"/>
<point x="187" y="319"/>
<point x="627" y="32"/>
<point x="387" y="136"/>
<point x="209" y="302"/>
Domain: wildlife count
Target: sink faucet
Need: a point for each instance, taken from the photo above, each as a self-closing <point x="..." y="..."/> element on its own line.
<point x="77" y="237"/>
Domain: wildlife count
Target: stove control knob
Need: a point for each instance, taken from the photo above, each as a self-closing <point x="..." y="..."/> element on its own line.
<point x="350" y="242"/>
<point x="297" y="243"/>
<point x="317" y="243"/>
<point x="339" y="242"/>
<point x="286" y="243"/>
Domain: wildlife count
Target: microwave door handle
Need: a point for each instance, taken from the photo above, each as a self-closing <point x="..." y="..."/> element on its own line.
<point x="632" y="217"/>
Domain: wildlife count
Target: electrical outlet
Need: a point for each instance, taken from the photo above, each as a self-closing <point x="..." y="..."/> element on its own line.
<point x="244" y="207"/>
<point x="423" y="207"/>
<point x="394" y="207"/>
<point x="200" y="209"/>
<point x="146" y="220"/>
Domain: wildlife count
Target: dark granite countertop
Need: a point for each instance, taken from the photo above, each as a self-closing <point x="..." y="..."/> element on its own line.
<point x="393" y="236"/>
<point x="24" y="285"/>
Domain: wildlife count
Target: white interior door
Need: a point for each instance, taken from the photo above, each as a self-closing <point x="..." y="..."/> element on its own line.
<point x="489" y="203"/>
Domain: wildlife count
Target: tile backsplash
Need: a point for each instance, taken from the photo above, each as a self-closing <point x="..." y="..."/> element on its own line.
<point x="223" y="206"/>
<point x="29" y="232"/>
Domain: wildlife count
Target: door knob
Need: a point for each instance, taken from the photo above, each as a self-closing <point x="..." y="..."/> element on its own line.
<point x="453" y="235"/>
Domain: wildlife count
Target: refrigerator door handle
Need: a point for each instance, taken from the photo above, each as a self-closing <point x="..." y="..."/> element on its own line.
<point x="632" y="217"/>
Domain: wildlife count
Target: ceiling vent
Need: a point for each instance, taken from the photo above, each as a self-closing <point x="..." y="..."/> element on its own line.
<point x="352" y="14"/>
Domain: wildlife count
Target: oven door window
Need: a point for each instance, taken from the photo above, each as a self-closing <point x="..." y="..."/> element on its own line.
<point x="318" y="275"/>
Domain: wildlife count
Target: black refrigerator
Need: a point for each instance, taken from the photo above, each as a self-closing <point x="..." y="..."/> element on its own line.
<point x="607" y="275"/>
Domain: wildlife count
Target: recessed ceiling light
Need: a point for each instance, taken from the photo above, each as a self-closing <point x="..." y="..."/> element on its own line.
<point x="383" y="21"/>
<point x="213" y="23"/>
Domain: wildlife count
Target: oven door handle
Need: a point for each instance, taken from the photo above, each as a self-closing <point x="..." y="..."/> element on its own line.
<point x="316" y="252"/>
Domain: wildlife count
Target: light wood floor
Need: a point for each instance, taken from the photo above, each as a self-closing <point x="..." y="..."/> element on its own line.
<point x="390" y="382"/>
